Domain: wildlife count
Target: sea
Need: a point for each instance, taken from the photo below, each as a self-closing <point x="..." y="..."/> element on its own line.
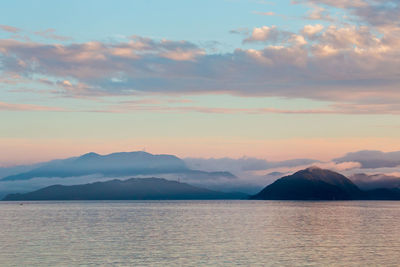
<point x="200" y="233"/>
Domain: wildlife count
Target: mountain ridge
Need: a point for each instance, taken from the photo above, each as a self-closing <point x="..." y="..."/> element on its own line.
<point x="119" y="164"/>
<point x="131" y="189"/>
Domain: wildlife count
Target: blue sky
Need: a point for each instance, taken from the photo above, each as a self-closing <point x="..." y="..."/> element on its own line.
<point x="195" y="21"/>
<point x="271" y="79"/>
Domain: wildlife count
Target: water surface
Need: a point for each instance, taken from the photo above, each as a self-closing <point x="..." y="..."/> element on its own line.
<point x="200" y="233"/>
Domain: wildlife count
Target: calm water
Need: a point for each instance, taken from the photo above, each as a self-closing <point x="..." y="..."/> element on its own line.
<point x="200" y="233"/>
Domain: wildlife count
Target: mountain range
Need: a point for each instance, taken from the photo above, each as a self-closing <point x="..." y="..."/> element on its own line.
<point x="131" y="189"/>
<point x="309" y="184"/>
<point x="114" y="165"/>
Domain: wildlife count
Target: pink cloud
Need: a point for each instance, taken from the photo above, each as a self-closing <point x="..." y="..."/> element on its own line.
<point x="11" y="29"/>
<point x="352" y="66"/>
<point x="264" y="33"/>
<point x="50" y="34"/>
<point x="317" y="70"/>
<point x="270" y="13"/>
<point x="27" y="107"/>
<point x="157" y="105"/>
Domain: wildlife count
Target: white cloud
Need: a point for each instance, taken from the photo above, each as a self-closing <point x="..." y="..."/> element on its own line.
<point x="343" y="166"/>
<point x="261" y="34"/>
<point x="311" y="30"/>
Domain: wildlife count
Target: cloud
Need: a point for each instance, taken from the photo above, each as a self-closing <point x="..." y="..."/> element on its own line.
<point x="353" y="66"/>
<point x="223" y="164"/>
<point x="374" y="181"/>
<point x="261" y="172"/>
<point x="244" y="31"/>
<point x="347" y="65"/>
<point x="372" y="159"/>
<point x="311" y="30"/>
<point x="297" y="40"/>
<point x="270" y="13"/>
<point x="376" y="13"/>
<point x="319" y="13"/>
<point x="266" y="34"/>
<point x="280" y="170"/>
<point x="380" y="14"/>
<point x="50" y="34"/>
<point x="27" y="107"/>
<point x="157" y="105"/>
<point x="347" y="62"/>
<point x="342" y="166"/>
<point x="252" y="173"/>
<point x="244" y="164"/>
<point x="337" y="3"/>
<point x="349" y="37"/>
<point x="11" y="29"/>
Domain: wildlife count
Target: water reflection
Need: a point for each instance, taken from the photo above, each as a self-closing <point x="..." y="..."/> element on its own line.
<point x="200" y="233"/>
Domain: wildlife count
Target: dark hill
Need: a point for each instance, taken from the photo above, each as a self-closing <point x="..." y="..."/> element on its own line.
<point x="132" y="189"/>
<point x="311" y="184"/>
<point x="383" y="194"/>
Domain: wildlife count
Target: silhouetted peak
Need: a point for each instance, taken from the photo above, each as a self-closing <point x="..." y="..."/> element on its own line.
<point x="312" y="183"/>
<point x="129" y="153"/>
<point x="314" y="168"/>
<point x="90" y="155"/>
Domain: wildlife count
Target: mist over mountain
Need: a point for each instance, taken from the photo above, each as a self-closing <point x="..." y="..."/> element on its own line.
<point x="372" y="158"/>
<point x="243" y="164"/>
<point x="92" y="167"/>
<point x="116" y="164"/>
<point x="131" y="189"/>
<point x="312" y="183"/>
<point x="244" y="174"/>
<point x="253" y="173"/>
<point x="375" y="181"/>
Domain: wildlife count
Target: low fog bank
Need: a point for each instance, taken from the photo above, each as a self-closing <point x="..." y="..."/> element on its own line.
<point x="367" y="169"/>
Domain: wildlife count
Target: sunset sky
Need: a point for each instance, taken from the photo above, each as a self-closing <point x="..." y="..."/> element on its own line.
<point x="211" y="78"/>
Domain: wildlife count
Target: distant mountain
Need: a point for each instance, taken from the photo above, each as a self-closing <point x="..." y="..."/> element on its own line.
<point x="375" y="181"/>
<point x="311" y="184"/>
<point x="116" y="164"/>
<point x="8" y="171"/>
<point x="319" y="184"/>
<point x="383" y="194"/>
<point x="131" y="189"/>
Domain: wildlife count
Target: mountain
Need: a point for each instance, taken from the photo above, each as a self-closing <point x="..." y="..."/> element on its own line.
<point x="116" y="164"/>
<point x="8" y="171"/>
<point x="311" y="184"/>
<point x="131" y="189"/>
<point x="383" y="194"/>
<point x="375" y="181"/>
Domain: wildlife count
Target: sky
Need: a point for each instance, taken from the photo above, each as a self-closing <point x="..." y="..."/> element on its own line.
<point x="274" y="80"/>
